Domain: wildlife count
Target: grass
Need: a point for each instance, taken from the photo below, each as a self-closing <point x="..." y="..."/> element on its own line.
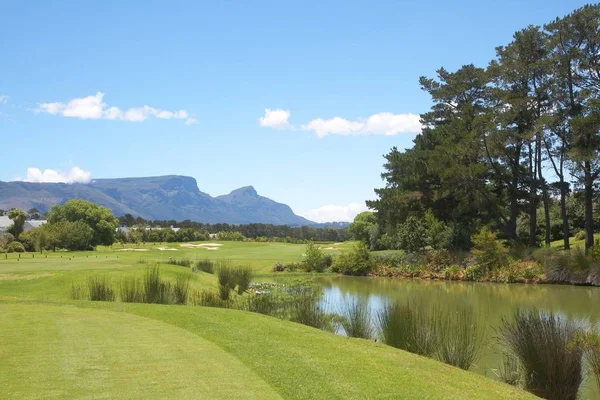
<point x="56" y="347"/>
<point x="356" y="319"/>
<point x="542" y="343"/>
<point x="117" y="350"/>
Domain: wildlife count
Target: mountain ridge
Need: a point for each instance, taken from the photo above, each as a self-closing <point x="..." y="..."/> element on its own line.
<point x="168" y="197"/>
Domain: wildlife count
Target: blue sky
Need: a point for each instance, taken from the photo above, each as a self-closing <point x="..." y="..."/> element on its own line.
<point x="121" y="89"/>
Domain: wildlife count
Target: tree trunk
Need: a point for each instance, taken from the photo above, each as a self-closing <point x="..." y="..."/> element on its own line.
<point x="514" y="210"/>
<point x="563" y="214"/>
<point x="589" y="204"/>
<point x="532" y="199"/>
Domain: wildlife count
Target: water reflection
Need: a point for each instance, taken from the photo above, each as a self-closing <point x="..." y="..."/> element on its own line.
<point x="490" y="301"/>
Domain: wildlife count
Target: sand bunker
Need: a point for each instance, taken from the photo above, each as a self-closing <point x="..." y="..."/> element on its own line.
<point x="166" y="249"/>
<point x="208" y="246"/>
<point x="133" y="250"/>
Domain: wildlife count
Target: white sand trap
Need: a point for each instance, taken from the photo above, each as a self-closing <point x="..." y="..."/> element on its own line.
<point x="133" y="250"/>
<point x="212" y="248"/>
<point x="200" y="246"/>
<point x="166" y="249"/>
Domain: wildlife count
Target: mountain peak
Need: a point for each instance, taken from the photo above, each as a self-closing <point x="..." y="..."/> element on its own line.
<point x="245" y="190"/>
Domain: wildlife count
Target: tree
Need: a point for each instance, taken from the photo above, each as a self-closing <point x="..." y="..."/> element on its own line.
<point x="99" y="219"/>
<point x="33" y="213"/>
<point x="18" y="218"/>
<point x="362" y="225"/>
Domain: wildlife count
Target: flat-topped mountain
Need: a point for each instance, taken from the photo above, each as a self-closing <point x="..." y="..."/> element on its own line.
<point x="170" y="197"/>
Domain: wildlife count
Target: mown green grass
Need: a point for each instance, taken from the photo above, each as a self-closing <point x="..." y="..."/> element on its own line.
<point x="54" y="347"/>
<point x="117" y="350"/>
<point x="573" y="242"/>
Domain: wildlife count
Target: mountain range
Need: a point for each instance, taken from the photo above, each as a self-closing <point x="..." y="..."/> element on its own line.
<point x="172" y="197"/>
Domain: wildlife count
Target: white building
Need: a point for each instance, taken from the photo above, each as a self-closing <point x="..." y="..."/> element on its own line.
<point x="6" y="222"/>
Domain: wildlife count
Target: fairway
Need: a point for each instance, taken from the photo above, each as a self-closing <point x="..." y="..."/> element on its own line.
<point x="55" y="347"/>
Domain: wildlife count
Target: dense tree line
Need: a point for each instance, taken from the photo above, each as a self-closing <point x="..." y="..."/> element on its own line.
<point x="508" y="145"/>
<point x="251" y="231"/>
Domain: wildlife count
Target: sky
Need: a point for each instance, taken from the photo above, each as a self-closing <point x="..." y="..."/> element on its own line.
<point x="299" y="99"/>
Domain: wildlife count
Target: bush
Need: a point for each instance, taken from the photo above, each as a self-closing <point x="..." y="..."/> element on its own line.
<point x="357" y="261"/>
<point x="474" y="272"/>
<point x="241" y="278"/>
<point x="314" y="258"/>
<point x="389" y="259"/>
<point x="580" y="235"/>
<point x="412" y="235"/>
<point x="489" y="253"/>
<point x="543" y="343"/>
<point x="15" y="247"/>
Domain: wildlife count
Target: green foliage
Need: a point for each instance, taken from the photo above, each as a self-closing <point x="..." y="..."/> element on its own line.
<point x="99" y="219"/>
<point x="206" y="265"/>
<point x="231" y="236"/>
<point x="412" y="235"/>
<point x="543" y="343"/>
<point x="314" y="258"/>
<point x="6" y="239"/>
<point x="461" y="337"/>
<point x="18" y="218"/>
<point x="356" y="319"/>
<point x="69" y="235"/>
<point x="489" y="253"/>
<point x="357" y="261"/>
<point x="409" y="327"/>
<point x="180" y="263"/>
<point x="241" y="277"/>
<point x="99" y="289"/>
<point x="580" y="235"/>
<point x="15" y="247"/>
<point x="362" y="226"/>
<point x="590" y="343"/>
<point x="439" y="236"/>
<point x="132" y="291"/>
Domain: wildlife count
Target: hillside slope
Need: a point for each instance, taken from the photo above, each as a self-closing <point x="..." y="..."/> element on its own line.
<point x="170" y="197"/>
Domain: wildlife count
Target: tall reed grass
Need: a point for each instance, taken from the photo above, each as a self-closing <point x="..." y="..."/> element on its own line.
<point x="356" y="319"/>
<point x="543" y="343"/>
<point x="99" y="289"/>
<point x="460" y="337"/>
<point x="409" y="327"/>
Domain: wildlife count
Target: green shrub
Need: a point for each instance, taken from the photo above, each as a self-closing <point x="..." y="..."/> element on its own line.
<point x="356" y="319"/>
<point x="543" y="343"/>
<point x="452" y="272"/>
<point x="78" y="292"/>
<point x="314" y="258"/>
<point x="509" y="370"/>
<point x="412" y="235"/>
<point x="474" y="272"/>
<point x="15" y="247"/>
<point x="389" y="259"/>
<point x="357" y="261"/>
<point x="99" y="289"/>
<point x="489" y="253"/>
<point x="207" y="298"/>
<point x="580" y="235"/>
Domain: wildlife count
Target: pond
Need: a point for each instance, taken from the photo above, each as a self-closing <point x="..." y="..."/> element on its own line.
<point x="490" y="301"/>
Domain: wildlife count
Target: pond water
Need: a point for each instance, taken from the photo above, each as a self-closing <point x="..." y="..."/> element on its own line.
<point x="490" y="301"/>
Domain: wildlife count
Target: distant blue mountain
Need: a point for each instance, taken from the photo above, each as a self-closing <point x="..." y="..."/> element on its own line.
<point x="170" y="197"/>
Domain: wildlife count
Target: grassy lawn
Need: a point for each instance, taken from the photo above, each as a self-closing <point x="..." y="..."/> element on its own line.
<point x="54" y="347"/>
<point x="573" y="242"/>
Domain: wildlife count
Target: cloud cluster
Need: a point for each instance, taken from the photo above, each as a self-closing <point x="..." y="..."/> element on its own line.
<point x="332" y="213"/>
<point x="74" y="175"/>
<point x="3" y="98"/>
<point x="93" y="107"/>
<point x="384" y="123"/>
<point x="278" y="119"/>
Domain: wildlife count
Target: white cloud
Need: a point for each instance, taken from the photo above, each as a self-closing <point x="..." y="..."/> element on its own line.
<point x="278" y="119"/>
<point x="74" y="175"/>
<point x="385" y="123"/>
<point x="331" y="213"/>
<point x="3" y="98"/>
<point x="93" y="107"/>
